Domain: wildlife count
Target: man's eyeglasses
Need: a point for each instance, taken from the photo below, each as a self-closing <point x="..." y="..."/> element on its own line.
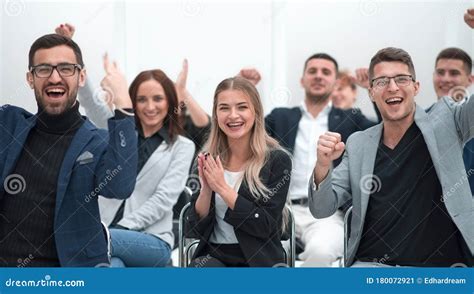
<point x="400" y="80"/>
<point x="46" y="70"/>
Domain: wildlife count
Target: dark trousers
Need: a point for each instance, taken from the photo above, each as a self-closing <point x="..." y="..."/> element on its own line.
<point x="220" y="255"/>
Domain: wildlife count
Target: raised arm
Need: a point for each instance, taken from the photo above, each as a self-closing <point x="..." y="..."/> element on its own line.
<point x="464" y="114"/>
<point x="66" y="30"/>
<point x="327" y="191"/>
<point x="330" y="147"/>
<point x="99" y="107"/>
<point x="96" y="108"/>
<point x="121" y="153"/>
<point x="95" y="105"/>
<point x="362" y="80"/>
<point x="251" y="74"/>
<point x="469" y="17"/>
<point x="198" y="116"/>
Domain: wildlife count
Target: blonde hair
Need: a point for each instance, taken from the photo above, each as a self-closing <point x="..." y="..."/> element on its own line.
<point x="261" y="144"/>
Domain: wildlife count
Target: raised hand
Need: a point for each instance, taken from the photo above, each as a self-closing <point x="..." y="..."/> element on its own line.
<point x="250" y="74"/>
<point x="182" y="78"/>
<point x="204" y="185"/>
<point x="66" y="30"/>
<point x="115" y="84"/>
<point x="469" y="17"/>
<point x="362" y="77"/>
<point x="330" y="147"/>
<point x="180" y="84"/>
<point x="214" y="174"/>
<point x="203" y="201"/>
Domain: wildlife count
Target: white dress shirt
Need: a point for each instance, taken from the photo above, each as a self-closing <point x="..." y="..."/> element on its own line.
<point x="304" y="155"/>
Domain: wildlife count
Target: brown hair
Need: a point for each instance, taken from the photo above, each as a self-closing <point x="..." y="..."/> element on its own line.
<point x="391" y="54"/>
<point x="54" y="40"/>
<point x="321" y="56"/>
<point x="171" y="120"/>
<point x="458" y="54"/>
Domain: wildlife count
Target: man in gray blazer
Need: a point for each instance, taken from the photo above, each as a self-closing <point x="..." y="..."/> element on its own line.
<point x="412" y="205"/>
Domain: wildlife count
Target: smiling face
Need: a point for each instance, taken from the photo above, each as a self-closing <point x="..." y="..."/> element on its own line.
<point x="450" y="73"/>
<point x="343" y="96"/>
<point x="235" y="114"/>
<point x="396" y="103"/>
<point x="319" y="79"/>
<point x="151" y="106"/>
<point x="56" y="94"/>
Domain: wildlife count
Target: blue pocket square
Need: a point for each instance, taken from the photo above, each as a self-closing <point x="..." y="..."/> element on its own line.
<point x="85" y="158"/>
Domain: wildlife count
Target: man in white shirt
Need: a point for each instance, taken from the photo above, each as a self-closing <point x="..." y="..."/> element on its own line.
<point x="298" y="129"/>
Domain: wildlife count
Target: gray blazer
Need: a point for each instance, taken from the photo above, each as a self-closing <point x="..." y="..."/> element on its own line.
<point x="446" y="128"/>
<point x="159" y="184"/>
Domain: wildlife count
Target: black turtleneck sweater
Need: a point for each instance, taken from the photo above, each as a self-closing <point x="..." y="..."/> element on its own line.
<point x="27" y="226"/>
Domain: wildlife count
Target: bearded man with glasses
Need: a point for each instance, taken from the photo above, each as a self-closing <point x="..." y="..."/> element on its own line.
<point x="55" y="163"/>
<point x="57" y="86"/>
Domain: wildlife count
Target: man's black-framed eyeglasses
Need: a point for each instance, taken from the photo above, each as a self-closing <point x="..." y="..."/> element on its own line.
<point x="400" y="80"/>
<point x="46" y="70"/>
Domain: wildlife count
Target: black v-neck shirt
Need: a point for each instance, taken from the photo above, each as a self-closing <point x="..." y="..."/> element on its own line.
<point x="406" y="221"/>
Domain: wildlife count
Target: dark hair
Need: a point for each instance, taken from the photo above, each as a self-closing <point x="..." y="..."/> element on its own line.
<point x="391" y="54"/>
<point x="458" y="54"/>
<point x="321" y="56"/>
<point x="53" y="40"/>
<point x="171" y="121"/>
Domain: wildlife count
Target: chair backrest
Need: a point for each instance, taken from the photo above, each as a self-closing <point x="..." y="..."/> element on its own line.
<point x="347" y="232"/>
<point x="183" y="260"/>
<point x="187" y="246"/>
<point x="108" y="240"/>
<point x="183" y="199"/>
<point x="291" y="251"/>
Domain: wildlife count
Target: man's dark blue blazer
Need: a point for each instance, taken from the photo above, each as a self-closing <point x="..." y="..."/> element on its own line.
<point x="110" y="172"/>
<point x="282" y="124"/>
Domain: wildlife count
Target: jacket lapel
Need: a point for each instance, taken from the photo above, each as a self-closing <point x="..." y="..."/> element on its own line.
<point x="425" y="124"/>
<point x="153" y="160"/>
<point x="369" y="152"/>
<point x="422" y="120"/>
<point x="334" y="119"/>
<point x="80" y="140"/>
<point x="15" y="149"/>
<point x="292" y="124"/>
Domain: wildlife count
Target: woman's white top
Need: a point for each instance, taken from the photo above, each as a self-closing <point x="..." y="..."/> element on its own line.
<point x="224" y="232"/>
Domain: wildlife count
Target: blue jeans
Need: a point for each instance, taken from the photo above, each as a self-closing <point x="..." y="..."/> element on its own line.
<point x="137" y="249"/>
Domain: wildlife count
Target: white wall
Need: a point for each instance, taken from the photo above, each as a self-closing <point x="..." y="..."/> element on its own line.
<point x="354" y="31"/>
<point x="22" y="22"/>
<point x="219" y="38"/>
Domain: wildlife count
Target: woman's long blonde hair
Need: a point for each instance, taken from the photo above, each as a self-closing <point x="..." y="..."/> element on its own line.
<point x="261" y="144"/>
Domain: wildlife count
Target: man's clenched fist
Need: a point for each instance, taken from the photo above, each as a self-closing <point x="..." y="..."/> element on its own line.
<point x="330" y="147"/>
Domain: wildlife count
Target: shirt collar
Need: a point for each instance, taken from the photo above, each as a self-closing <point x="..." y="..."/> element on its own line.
<point x="162" y="133"/>
<point x="325" y="110"/>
